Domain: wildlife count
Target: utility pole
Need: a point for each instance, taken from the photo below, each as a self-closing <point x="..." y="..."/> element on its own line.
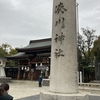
<point x="77" y="24"/>
<point x="77" y="19"/>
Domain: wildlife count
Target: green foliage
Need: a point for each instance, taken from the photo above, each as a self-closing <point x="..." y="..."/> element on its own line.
<point x="2" y="53"/>
<point x="96" y="48"/>
<point x="11" y="63"/>
<point x="85" y="42"/>
<point x="85" y="54"/>
<point x="12" y="52"/>
<point x="7" y="50"/>
<point x="6" y="47"/>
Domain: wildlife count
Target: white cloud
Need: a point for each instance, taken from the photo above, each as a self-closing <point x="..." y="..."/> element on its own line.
<point x="25" y="20"/>
<point x="89" y="12"/>
<point x="15" y="3"/>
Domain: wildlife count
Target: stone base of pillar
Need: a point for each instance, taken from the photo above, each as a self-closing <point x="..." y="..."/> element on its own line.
<point x="46" y="95"/>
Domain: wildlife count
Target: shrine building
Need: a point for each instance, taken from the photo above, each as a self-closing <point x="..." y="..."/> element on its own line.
<point x="33" y="60"/>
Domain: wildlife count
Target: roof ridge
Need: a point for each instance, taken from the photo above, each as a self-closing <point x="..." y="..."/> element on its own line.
<point x="39" y="40"/>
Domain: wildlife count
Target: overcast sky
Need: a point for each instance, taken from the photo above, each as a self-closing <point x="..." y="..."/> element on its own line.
<point x="25" y="20"/>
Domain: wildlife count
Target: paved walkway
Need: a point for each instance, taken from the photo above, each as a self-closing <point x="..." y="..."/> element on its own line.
<point x="20" y="89"/>
<point x="29" y="90"/>
<point x="34" y="97"/>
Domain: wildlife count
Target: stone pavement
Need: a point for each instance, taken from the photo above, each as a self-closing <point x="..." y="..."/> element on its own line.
<point x="21" y="89"/>
<point x="29" y="90"/>
<point x="34" y="97"/>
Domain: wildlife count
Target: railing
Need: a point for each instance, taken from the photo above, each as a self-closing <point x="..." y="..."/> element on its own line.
<point x="91" y="85"/>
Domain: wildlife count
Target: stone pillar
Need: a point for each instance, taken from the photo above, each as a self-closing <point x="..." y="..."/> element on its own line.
<point x="63" y="76"/>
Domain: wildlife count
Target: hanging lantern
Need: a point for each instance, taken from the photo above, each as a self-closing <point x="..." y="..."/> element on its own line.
<point x="41" y="64"/>
<point x="36" y="64"/>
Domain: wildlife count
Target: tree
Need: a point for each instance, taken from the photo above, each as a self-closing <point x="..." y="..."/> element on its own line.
<point x="7" y="50"/>
<point x="4" y="50"/>
<point x="85" y="55"/>
<point x="12" y="52"/>
<point x="2" y="53"/>
<point x="6" y="47"/>
<point x="85" y="43"/>
<point x="96" y="48"/>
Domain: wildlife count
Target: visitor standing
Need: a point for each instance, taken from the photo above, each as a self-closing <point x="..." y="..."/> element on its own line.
<point x="40" y="81"/>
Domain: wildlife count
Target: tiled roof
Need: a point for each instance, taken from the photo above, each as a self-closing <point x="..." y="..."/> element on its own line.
<point x="19" y="55"/>
<point x="36" y="44"/>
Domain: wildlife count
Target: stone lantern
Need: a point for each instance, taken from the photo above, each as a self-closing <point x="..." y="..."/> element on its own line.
<point x="2" y="66"/>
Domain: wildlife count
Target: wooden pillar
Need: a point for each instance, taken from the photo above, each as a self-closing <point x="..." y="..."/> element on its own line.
<point x="29" y="73"/>
<point x="18" y="76"/>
